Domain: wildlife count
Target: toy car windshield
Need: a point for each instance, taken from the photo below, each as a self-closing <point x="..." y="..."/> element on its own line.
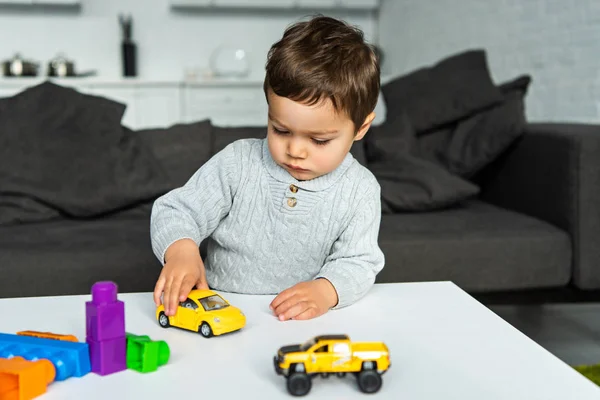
<point x="308" y="344"/>
<point x="213" y="302"/>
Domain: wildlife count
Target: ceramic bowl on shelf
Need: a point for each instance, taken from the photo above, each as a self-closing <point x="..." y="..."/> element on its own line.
<point x="229" y="61"/>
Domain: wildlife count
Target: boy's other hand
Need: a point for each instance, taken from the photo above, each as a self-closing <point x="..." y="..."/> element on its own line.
<point x="305" y="300"/>
<point x="183" y="270"/>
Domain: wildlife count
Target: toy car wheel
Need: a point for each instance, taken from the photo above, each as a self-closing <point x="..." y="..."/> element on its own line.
<point x="205" y="330"/>
<point x="163" y="320"/>
<point x="298" y="384"/>
<point x="369" y="381"/>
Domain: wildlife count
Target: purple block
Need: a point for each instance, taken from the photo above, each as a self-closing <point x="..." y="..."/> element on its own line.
<point x="108" y="356"/>
<point x="104" y="314"/>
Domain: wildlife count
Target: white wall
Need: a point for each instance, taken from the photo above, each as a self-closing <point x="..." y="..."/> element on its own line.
<point x="168" y="41"/>
<point x="556" y="41"/>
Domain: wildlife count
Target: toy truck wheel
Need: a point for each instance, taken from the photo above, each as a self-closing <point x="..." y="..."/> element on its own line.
<point x="205" y="330"/>
<point x="298" y="384"/>
<point x="369" y="381"/>
<point x="163" y="320"/>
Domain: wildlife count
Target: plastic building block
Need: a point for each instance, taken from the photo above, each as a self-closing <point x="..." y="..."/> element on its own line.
<point x="104" y="314"/>
<point x="21" y="379"/>
<point x="108" y="356"/>
<point x="69" y="359"/>
<point x="49" y="335"/>
<point x="105" y="329"/>
<point x="146" y="355"/>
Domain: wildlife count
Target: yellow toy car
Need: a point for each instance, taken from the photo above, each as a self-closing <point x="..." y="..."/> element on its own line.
<point x="327" y="354"/>
<point x="203" y="311"/>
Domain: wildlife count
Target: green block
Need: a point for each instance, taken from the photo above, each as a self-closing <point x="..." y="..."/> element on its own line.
<point x="144" y="354"/>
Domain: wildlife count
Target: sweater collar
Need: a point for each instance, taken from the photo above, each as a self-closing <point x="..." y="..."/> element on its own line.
<point x="314" y="185"/>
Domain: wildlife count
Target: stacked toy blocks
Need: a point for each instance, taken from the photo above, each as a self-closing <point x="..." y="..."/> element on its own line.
<point x="146" y="355"/>
<point x="21" y="379"/>
<point x="105" y="329"/>
<point x="68" y="358"/>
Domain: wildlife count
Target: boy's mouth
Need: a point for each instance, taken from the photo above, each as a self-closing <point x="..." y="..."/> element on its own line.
<point x="295" y="168"/>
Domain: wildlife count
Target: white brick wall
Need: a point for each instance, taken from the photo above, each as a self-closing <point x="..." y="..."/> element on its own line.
<point x="555" y="41"/>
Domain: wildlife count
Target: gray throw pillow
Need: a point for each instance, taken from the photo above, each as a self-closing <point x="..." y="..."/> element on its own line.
<point x="181" y="149"/>
<point x="450" y="90"/>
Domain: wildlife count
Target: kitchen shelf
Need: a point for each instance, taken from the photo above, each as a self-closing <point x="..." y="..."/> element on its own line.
<point x="277" y="4"/>
<point x="129" y="82"/>
<point x="33" y="3"/>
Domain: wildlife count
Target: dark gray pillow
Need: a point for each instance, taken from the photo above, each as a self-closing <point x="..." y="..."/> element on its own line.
<point x="409" y="183"/>
<point x="69" y="152"/>
<point x="450" y="90"/>
<point x="223" y="135"/>
<point x="480" y="139"/>
<point x="413" y="184"/>
<point x="395" y="136"/>
<point x="181" y="149"/>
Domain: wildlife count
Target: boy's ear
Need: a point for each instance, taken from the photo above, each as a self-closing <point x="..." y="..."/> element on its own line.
<point x="365" y="126"/>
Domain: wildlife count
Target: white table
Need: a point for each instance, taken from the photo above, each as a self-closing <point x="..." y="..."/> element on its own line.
<point x="443" y="345"/>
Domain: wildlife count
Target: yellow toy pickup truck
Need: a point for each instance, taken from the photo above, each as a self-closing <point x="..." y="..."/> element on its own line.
<point x="328" y="354"/>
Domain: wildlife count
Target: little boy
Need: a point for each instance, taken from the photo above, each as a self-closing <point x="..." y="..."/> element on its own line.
<point x="293" y="214"/>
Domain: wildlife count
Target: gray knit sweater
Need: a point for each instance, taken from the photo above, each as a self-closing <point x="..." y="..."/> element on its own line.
<point x="268" y="231"/>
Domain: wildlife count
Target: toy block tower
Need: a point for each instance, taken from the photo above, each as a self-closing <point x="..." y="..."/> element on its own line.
<point x="105" y="329"/>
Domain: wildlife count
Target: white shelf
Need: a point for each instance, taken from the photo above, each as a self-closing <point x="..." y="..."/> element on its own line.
<point x="41" y="2"/>
<point x="58" y="2"/>
<point x="279" y="4"/>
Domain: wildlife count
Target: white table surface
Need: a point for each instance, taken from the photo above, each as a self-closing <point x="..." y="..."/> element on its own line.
<point x="443" y="345"/>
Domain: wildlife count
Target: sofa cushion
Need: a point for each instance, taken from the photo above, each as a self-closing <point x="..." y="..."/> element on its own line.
<point x="67" y="257"/>
<point x="479" y="247"/>
<point x="66" y="152"/>
<point x="409" y="183"/>
<point x="181" y="149"/>
<point x="481" y="138"/>
<point x="435" y="95"/>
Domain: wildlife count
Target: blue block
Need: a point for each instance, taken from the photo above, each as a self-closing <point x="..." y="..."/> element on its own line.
<point x="70" y="359"/>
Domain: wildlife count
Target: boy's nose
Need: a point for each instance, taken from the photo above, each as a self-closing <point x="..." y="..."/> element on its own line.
<point x="296" y="149"/>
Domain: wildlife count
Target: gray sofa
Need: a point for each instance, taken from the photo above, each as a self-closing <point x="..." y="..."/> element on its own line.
<point x="471" y="191"/>
<point x="535" y="224"/>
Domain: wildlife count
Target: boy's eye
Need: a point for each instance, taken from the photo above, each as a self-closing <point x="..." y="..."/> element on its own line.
<point x="279" y="131"/>
<point x="321" y="142"/>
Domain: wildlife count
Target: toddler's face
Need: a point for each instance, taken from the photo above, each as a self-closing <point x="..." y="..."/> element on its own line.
<point x="309" y="140"/>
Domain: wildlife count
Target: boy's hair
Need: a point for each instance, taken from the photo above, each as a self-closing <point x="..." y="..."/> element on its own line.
<point x="325" y="58"/>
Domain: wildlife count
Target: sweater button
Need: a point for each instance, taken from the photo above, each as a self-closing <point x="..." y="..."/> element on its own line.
<point x="293" y="188"/>
<point x="292" y="202"/>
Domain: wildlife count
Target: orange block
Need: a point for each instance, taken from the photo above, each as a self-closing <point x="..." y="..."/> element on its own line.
<point x="49" y="335"/>
<point x="21" y="379"/>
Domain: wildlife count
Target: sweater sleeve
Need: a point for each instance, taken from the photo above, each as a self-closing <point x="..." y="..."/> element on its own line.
<point x="194" y="210"/>
<point x="356" y="258"/>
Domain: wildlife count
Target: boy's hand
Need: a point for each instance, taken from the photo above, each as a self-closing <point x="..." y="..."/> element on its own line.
<point x="182" y="271"/>
<point x="305" y="300"/>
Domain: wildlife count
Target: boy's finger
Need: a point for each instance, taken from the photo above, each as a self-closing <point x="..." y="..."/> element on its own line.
<point x="167" y="295"/>
<point x="293" y="311"/>
<point x="186" y="286"/>
<point x="201" y="284"/>
<point x="174" y="294"/>
<point x="158" y="288"/>
<point x="310" y="313"/>
<point x="281" y="297"/>
<point x="286" y="305"/>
